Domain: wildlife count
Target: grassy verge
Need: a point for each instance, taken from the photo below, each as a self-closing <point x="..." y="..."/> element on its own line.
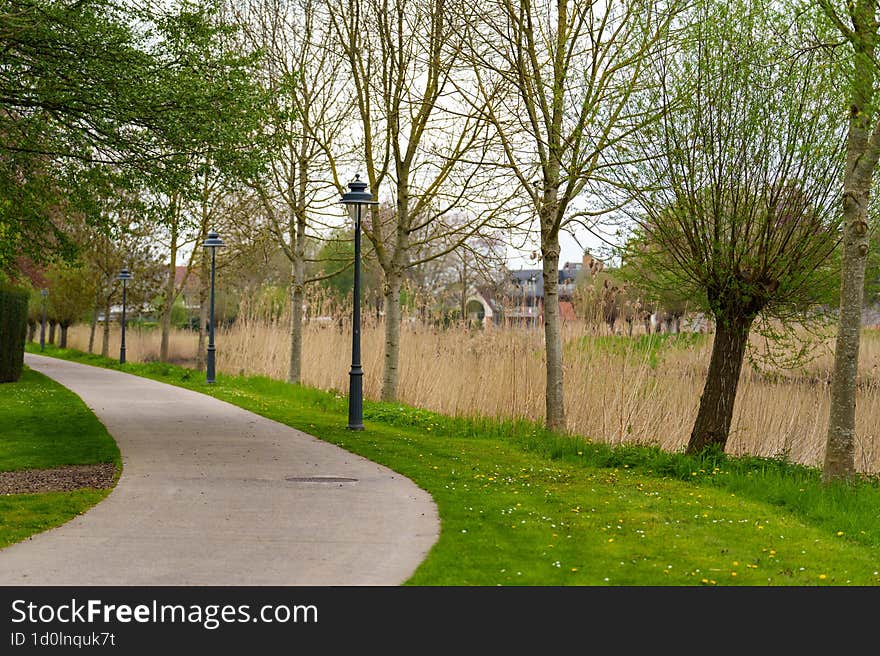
<point x="520" y="506"/>
<point x="23" y="515"/>
<point x="44" y="426"/>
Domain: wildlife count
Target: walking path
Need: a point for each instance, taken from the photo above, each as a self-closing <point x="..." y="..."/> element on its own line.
<point x="205" y="498"/>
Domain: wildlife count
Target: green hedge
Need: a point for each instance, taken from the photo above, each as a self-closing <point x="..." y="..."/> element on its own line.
<point x="13" y="330"/>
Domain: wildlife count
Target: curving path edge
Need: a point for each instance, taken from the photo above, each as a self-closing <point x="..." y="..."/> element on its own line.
<point x="204" y="499"/>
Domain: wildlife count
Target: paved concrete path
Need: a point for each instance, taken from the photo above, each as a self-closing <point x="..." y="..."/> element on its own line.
<point x="204" y="499"/>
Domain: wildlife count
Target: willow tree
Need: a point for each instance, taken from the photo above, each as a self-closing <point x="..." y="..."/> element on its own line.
<point x="737" y="196"/>
<point x="555" y="81"/>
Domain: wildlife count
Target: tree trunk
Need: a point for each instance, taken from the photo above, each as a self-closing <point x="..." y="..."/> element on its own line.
<point x="31" y="330"/>
<point x="297" y="280"/>
<point x="52" y="324"/>
<point x="840" y="445"/>
<point x="555" y="400"/>
<point x="204" y="300"/>
<point x="862" y="155"/>
<point x="93" y="324"/>
<point x="294" y="371"/>
<point x="712" y="426"/>
<point x="63" y="343"/>
<point x="168" y="305"/>
<point x="393" y="284"/>
<point x="105" y="343"/>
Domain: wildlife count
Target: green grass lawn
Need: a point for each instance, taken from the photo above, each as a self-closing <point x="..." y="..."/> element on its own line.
<point x="520" y="506"/>
<point x="44" y="425"/>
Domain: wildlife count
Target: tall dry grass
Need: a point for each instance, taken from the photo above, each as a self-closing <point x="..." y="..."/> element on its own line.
<point x="612" y="395"/>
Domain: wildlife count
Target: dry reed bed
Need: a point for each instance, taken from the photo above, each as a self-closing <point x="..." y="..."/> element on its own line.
<point x="610" y="396"/>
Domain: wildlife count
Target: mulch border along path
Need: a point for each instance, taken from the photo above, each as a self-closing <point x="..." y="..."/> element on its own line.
<point x="59" y="479"/>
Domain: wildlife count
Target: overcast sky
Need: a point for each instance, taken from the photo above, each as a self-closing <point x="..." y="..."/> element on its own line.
<point x="571" y="251"/>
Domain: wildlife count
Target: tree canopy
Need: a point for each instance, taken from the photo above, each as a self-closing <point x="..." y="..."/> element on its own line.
<point x="105" y="82"/>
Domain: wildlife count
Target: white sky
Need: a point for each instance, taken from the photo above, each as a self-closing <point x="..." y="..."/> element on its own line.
<point x="571" y="251"/>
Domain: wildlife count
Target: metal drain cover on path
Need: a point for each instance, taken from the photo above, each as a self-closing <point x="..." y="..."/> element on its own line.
<point x="320" y="479"/>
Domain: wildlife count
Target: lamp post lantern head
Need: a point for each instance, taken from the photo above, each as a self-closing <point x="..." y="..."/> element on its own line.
<point x="357" y="195"/>
<point x="44" y="292"/>
<point x="213" y="240"/>
<point x="123" y="275"/>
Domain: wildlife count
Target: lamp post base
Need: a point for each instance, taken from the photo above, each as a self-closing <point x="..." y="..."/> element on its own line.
<point x="210" y="365"/>
<point x="355" y="399"/>
<point x="122" y="355"/>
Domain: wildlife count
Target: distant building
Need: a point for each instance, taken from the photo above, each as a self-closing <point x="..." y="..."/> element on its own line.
<point x="521" y="299"/>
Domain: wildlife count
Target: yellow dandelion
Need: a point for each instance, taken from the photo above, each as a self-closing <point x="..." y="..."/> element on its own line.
<point x="822" y="576"/>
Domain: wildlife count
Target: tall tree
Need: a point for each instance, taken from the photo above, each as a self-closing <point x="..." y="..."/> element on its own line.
<point x="229" y="147"/>
<point x="857" y="22"/>
<point x="555" y="78"/>
<point x="423" y="147"/>
<point x="310" y="109"/>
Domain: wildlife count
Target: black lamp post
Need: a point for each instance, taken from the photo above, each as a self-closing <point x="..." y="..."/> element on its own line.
<point x="213" y="242"/>
<point x="124" y="276"/>
<point x="44" y="293"/>
<point x="354" y="200"/>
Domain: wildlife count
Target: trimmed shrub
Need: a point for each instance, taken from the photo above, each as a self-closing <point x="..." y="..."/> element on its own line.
<point x="13" y="330"/>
